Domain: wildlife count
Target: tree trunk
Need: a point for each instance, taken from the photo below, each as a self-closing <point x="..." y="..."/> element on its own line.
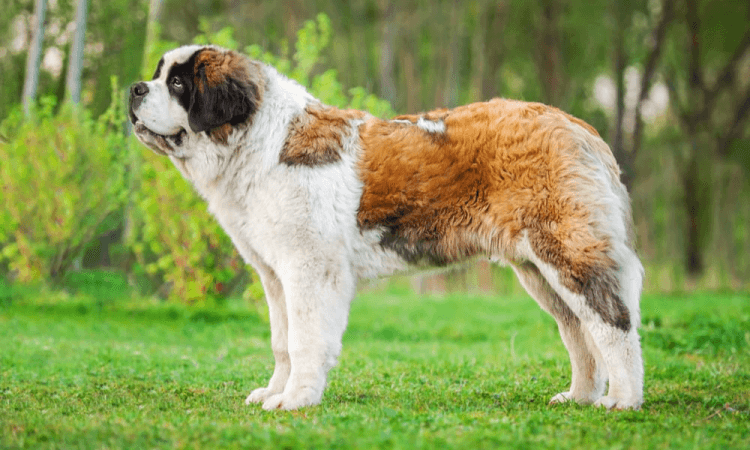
<point x="694" y="187"/>
<point x="35" y="55"/>
<point x="479" y="62"/>
<point x="497" y="13"/>
<point x="620" y="61"/>
<point x="658" y="37"/>
<point x="550" y="58"/>
<point x="154" y="13"/>
<point x="411" y="79"/>
<point x="75" y="68"/>
<point x="450" y="92"/>
<point x="387" y="54"/>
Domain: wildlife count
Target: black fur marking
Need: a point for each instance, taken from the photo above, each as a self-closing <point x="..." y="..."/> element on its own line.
<point x="601" y="288"/>
<point x="601" y="293"/>
<point x="553" y="304"/>
<point x="158" y="69"/>
<point x="184" y="72"/>
<point x="597" y="282"/>
<point x="232" y="102"/>
<point x="421" y="252"/>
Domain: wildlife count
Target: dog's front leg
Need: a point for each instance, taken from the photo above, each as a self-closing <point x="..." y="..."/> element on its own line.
<point x="279" y="336"/>
<point x="318" y="292"/>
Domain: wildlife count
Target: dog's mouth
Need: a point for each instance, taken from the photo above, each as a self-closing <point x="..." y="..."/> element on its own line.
<point x="160" y="143"/>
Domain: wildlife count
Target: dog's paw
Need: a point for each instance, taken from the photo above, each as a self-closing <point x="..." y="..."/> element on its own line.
<point x="568" y="396"/>
<point x="259" y="395"/>
<point x="562" y="397"/>
<point x="618" y="403"/>
<point x="292" y="400"/>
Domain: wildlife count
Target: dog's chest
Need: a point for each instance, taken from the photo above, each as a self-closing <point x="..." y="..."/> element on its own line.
<point x="305" y="213"/>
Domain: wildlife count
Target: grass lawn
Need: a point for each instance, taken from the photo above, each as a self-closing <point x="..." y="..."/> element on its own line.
<point x="433" y="372"/>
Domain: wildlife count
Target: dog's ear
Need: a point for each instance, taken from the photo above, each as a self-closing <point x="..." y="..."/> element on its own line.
<point x="222" y="93"/>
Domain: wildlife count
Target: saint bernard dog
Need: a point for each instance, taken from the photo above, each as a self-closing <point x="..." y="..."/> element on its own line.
<point x="316" y="198"/>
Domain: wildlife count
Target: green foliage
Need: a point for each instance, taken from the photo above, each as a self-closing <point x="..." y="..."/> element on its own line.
<point x="312" y="40"/>
<point x="64" y="179"/>
<point x="175" y="239"/>
<point x="223" y="38"/>
<point x="414" y="374"/>
<point x="117" y="28"/>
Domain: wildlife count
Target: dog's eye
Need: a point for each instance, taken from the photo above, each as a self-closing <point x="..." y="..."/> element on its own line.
<point x="176" y="83"/>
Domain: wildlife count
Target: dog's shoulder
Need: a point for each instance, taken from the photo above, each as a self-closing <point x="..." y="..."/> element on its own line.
<point x="316" y="136"/>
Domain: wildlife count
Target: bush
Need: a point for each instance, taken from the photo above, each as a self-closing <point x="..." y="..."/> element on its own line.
<point x="64" y="179"/>
<point x="175" y="240"/>
<point x="173" y="236"/>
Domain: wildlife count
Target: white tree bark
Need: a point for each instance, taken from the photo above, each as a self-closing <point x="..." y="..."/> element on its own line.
<point x="35" y="55"/>
<point x="387" y="54"/>
<point x="154" y="14"/>
<point x="75" y="68"/>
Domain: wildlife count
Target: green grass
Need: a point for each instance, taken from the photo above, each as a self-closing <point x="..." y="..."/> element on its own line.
<point x="454" y="371"/>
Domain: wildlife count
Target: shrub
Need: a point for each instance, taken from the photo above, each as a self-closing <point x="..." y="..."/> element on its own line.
<point x="175" y="240"/>
<point x="64" y="179"/>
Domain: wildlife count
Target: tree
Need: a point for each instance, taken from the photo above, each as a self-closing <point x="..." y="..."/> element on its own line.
<point x="389" y="27"/>
<point x="710" y="95"/>
<point x="75" y="67"/>
<point x="549" y="52"/>
<point x="34" y="57"/>
<point x="152" y="33"/>
<point x="626" y="150"/>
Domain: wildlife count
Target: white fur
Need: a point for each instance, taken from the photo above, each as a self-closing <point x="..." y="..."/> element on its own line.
<point x="431" y="126"/>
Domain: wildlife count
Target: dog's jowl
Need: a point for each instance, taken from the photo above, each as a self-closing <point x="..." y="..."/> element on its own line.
<point x="315" y="198"/>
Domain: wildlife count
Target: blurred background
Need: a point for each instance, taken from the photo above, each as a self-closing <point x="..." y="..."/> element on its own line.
<point x="86" y="208"/>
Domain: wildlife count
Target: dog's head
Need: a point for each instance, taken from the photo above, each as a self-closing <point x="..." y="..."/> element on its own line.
<point x="197" y="92"/>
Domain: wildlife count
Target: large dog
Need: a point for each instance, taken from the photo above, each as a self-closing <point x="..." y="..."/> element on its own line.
<point x="315" y="198"/>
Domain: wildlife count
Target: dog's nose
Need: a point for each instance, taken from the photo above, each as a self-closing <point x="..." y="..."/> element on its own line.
<point x="137" y="92"/>
<point x="139" y="89"/>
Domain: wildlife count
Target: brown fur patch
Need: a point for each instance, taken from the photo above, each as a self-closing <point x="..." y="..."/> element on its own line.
<point x="502" y="167"/>
<point x="316" y="136"/>
<point x="220" y="135"/>
<point x="236" y="81"/>
<point x="220" y="65"/>
<point x="432" y="116"/>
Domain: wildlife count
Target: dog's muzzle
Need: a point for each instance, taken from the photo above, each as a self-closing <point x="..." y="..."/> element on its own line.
<point x="138" y="92"/>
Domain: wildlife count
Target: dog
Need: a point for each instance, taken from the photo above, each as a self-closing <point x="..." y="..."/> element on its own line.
<point x="316" y="198"/>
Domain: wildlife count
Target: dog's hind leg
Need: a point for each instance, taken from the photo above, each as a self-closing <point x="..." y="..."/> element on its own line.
<point x="605" y="299"/>
<point x="589" y="375"/>
<point x="623" y="344"/>
<point x="279" y="336"/>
